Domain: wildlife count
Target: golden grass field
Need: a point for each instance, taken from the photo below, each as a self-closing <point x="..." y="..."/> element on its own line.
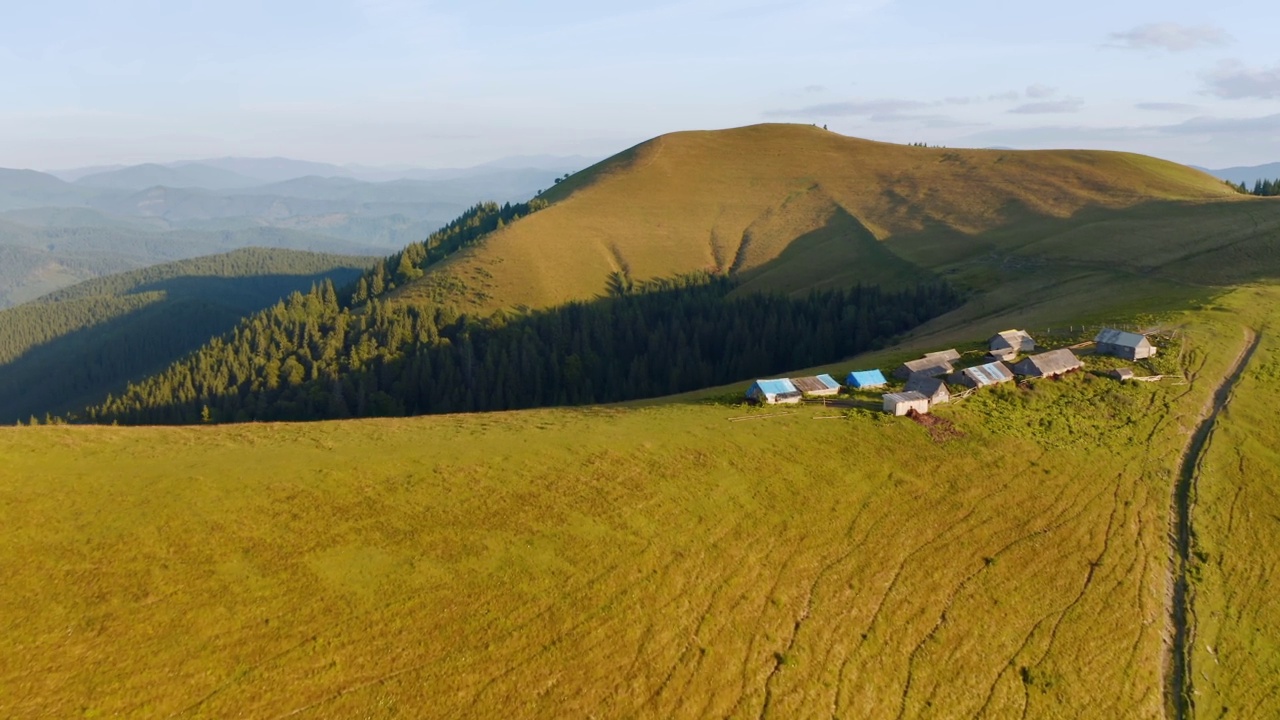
<point x="655" y="562"/>
<point x="662" y="559"/>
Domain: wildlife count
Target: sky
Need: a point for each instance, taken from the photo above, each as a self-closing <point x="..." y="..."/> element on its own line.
<point x="448" y="84"/>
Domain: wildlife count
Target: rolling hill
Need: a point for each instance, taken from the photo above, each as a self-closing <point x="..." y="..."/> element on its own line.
<point x="1022" y="233"/>
<point x="80" y="343"/>
<point x="1064" y="548"/>
<point x="735" y="200"/>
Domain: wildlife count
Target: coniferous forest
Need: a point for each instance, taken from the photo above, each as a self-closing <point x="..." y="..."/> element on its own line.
<point x="311" y="358"/>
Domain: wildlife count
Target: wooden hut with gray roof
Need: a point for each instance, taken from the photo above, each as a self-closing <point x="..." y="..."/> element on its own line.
<point x="1054" y="363"/>
<point x="906" y="402"/>
<point x="1009" y="344"/>
<point x="931" y="387"/>
<point x="931" y="365"/>
<point x="1121" y="344"/>
<point x="992" y="373"/>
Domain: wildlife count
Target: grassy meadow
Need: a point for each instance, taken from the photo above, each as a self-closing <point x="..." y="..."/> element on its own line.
<point x="660" y="561"/>
<point x="1235" y="659"/>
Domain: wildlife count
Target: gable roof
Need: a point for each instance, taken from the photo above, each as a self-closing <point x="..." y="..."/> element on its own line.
<point x="817" y="383"/>
<point x="866" y="378"/>
<point x="1111" y="336"/>
<point x="1011" y="339"/>
<point x="906" y="396"/>
<point x="929" y="366"/>
<point x="927" y="386"/>
<point x="774" y="387"/>
<point x="989" y="374"/>
<point x="1054" y="362"/>
<point x="951" y="355"/>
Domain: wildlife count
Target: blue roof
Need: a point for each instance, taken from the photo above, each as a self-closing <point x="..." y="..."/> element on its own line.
<point x="866" y="378"/>
<point x="773" y="387"/>
<point x="829" y="381"/>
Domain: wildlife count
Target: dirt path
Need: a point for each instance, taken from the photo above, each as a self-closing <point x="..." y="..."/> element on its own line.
<point x="1179" y="686"/>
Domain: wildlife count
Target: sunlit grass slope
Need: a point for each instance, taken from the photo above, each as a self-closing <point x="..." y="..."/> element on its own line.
<point x="654" y="562"/>
<point x="751" y="199"/>
<point x="1235" y="662"/>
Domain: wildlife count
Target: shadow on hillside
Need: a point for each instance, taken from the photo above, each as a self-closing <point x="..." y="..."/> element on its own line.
<point x="1220" y="243"/>
<point x="81" y="367"/>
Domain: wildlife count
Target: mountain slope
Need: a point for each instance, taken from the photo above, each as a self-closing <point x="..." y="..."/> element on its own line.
<point x="82" y="342"/>
<point x="735" y="199"/>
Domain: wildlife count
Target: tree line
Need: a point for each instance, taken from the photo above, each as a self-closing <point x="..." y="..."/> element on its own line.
<point x="312" y="357"/>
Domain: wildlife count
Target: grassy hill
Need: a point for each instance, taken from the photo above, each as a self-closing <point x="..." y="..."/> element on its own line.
<point x="77" y="344"/>
<point x="652" y="562"/>
<point x="691" y="557"/>
<point x="736" y="200"/>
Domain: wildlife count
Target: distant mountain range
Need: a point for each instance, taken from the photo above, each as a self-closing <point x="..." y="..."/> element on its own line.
<point x="1247" y="175"/>
<point x="236" y="173"/>
<point x="72" y="225"/>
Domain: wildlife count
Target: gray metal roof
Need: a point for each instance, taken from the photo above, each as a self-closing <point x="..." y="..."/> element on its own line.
<point x="1054" y="362"/>
<point x="924" y="385"/>
<point x="1110" y="336"/>
<point x="989" y="374"/>
<point x="949" y="355"/>
<point x="907" y="396"/>
<point x="929" y="366"/>
<point x="1012" y="339"/>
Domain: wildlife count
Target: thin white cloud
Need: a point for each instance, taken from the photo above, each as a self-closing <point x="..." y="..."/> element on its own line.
<point x="1068" y="105"/>
<point x="1232" y="80"/>
<point x="1170" y="107"/>
<point x="1268" y="125"/>
<point x="852" y="108"/>
<point x="1173" y="37"/>
<point x="1039" y="92"/>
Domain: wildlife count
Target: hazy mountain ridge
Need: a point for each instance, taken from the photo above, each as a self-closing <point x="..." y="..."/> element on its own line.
<point x="113" y="219"/>
<point x="1247" y="174"/>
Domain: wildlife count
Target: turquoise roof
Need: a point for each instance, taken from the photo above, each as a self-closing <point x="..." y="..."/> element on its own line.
<point x="773" y="387"/>
<point x="866" y="378"/>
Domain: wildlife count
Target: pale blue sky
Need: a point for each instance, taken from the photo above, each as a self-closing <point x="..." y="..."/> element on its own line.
<point x="87" y="82"/>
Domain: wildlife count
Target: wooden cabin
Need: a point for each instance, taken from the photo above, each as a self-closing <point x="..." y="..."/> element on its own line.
<point x="1054" y="363"/>
<point x="1121" y="344"/>
<point x="993" y="373"/>
<point x="904" y="402"/>
<point x="866" y="379"/>
<point x="817" y="386"/>
<point x="1009" y="344"/>
<point x="933" y="388"/>
<point x="774" y="392"/>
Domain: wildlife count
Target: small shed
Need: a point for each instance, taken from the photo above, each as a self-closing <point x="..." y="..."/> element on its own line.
<point x="1122" y="374"/>
<point x="774" y="392"/>
<point x="927" y="366"/>
<point x="866" y="379"/>
<point x="816" y="386"/>
<point x="1048" y="364"/>
<point x="1009" y="344"/>
<point x="992" y="373"/>
<point x="1121" y="344"/>
<point x="904" y="402"/>
<point x="933" y="388"/>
